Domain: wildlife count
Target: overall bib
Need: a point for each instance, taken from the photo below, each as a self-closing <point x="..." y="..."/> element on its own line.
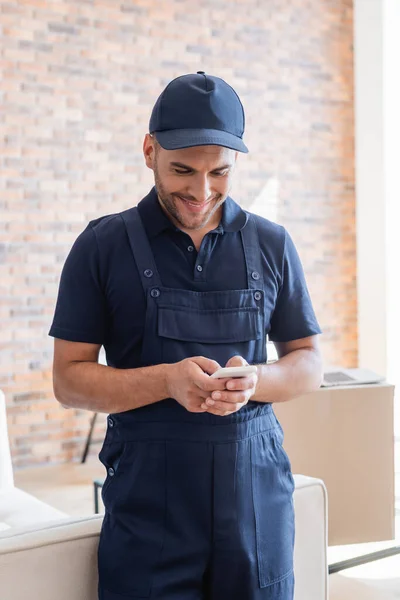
<point x="197" y="506"/>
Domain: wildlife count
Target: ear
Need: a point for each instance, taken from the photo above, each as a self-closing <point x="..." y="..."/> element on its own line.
<point x="149" y="151"/>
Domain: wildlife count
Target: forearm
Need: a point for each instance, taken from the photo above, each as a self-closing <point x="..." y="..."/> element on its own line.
<point x="98" y="388"/>
<point x="297" y="373"/>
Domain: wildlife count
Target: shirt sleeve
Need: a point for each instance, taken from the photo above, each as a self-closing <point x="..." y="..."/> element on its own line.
<point x="80" y="314"/>
<point x="293" y="317"/>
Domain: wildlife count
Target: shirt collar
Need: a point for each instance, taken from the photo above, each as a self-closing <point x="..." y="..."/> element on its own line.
<point x="234" y="218"/>
<point x="155" y="221"/>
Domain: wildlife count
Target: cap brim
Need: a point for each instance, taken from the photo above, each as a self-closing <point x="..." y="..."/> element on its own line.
<point x="176" y="139"/>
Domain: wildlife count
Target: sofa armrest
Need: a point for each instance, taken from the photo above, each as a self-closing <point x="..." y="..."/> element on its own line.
<point x="311" y="539"/>
<point x="59" y="560"/>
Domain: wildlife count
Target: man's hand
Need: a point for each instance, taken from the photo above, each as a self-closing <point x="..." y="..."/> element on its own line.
<point x="236" y="394"/>
<point x="190" y="384"/>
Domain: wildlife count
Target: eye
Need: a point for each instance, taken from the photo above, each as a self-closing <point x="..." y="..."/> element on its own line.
<point x="220" y="173"/>
<point x="179" y="172"/>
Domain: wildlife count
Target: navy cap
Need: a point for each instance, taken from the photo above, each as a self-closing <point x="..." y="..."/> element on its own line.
<point x="198" y="110"/>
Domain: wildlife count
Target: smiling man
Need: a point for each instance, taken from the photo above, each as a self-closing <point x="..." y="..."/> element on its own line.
<point x="198" y="493"/>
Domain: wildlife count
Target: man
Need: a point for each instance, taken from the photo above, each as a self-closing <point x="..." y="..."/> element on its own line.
<point x="198" y="493"/>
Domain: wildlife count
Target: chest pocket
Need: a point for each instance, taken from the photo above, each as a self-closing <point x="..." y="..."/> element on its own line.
<point x="209" y="326"/>
<point x="217" y="324"/>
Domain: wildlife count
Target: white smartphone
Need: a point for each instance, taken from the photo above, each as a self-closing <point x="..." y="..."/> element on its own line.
<point x="231" y="372"/>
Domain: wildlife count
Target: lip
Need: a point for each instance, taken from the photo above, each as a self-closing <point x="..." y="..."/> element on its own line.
<point x="195" y="207"/>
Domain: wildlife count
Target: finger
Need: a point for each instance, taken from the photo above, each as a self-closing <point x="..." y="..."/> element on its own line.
<point x="236" y="361"/>
<point x="209" y="384"/>
<point x="230" y="397"/>
<point x="220" y="413"/>
<point x="197" y="409"/>
<point x="221" y="406"/>
<point x="200" y="394"/>
<point x="210" y="404"/>
<point x="242" y="383"/>
<point x="216" y="411"/>
<point x="202" y="379"/>
<point x="206" y="364"/>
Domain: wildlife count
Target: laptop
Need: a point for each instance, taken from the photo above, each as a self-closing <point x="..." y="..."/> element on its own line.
<point x="336" y="377"/>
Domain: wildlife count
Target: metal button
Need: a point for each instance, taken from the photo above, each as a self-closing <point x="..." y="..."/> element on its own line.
<point x="155" y="293"/>
<point x="111" y="472"/>
<point x="255" y="275"/>
<point x="190" y="248"/>
<point x="110" y="422"/>
<point x="257" y="295"/>
<point x="148" y="273"/>
<point x="199" y="268"/>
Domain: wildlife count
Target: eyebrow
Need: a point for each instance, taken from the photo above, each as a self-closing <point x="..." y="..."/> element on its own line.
<point x="182" y="166"/>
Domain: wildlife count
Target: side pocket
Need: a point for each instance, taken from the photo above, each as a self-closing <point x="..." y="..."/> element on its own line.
<point x="273" y="509"/>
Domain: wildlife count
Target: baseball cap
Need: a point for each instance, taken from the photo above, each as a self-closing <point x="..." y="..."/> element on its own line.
<point x="198" y="110"/>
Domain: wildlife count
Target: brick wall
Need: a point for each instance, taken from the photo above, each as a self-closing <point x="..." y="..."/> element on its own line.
<point x="78" y="80"/>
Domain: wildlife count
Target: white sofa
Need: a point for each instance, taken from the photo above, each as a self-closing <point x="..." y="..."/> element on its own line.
<point x="17" y="508"/>
<point x="46" y="555"/>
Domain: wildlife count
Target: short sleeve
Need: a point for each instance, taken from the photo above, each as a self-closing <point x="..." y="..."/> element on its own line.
<point x="80" y="314"/>
<point x="293" y="317"/>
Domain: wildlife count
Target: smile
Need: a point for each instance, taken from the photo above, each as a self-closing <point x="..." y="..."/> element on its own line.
<point x="195" y="206"/>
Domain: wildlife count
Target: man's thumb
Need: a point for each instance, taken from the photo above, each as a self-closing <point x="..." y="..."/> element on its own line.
<point x="236" y="361"/>
<point x="209" y="366"/>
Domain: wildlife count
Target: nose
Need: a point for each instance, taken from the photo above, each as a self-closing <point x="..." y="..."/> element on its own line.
<point x="202" y="191"/>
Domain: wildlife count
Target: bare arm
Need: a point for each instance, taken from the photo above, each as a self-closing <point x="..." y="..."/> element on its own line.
<point x="298" y="371"/>
<point x="80" y="382"/>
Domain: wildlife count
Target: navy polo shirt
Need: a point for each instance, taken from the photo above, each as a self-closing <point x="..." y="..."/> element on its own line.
<point x="101" y="298"/>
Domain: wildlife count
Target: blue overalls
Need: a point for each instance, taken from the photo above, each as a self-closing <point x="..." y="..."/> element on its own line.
<point x="198" y="506"/>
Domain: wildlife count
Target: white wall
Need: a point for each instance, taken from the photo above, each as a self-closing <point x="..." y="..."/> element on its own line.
<point x="391" y="153"/>
<point x="377" y="133"/>
<point x="370" y="192"/>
